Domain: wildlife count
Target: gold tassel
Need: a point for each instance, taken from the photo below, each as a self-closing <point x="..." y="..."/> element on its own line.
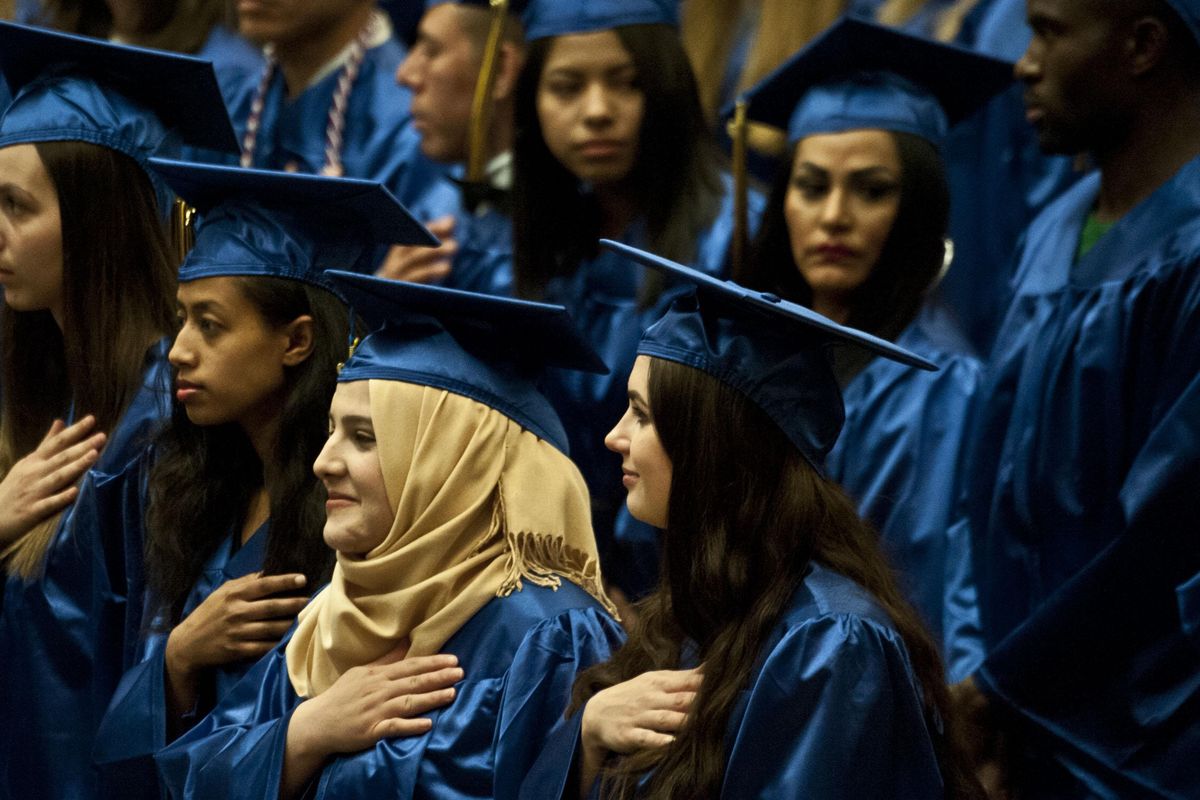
<point x="481" y="106"/>
<point x="183" y="229"/>
<point x="741" y="188"/>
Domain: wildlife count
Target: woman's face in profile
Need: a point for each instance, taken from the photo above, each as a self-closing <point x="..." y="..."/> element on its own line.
<point x="31" y="249"/>
<point x="590" y="106"/>
<point x="645" y="467"/>
<point x="358" y="515"/>
<point x="840" y="207"/>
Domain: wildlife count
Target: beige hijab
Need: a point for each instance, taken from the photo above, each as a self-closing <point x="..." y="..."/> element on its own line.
<point x="481" y="505"/>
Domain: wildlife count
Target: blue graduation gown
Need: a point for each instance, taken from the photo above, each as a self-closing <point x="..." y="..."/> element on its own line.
<point x="1189" y="608"/>
<point x="136" y="725"/>
<point x="379" y="142"/>
<point x="520" y="656"/>
<point x="999" y="181"/>
<point x="602" y="296"/>
<point x="1082" y="487"/>
<point x="900" y="457"/>
<point x="64" y="635"/>
<point x="833" y="709"/>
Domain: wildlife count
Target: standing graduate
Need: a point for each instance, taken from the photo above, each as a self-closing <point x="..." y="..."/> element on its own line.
<point x="611" y="141"/>
<point x="778" y="658"/>
<point x="462" y="528"/>
<point x="855" y="230"/>
<point x="1082" y="482"/>
<point x="234" y="511"/>
<point x="326" y="101"/>
<point x="88" y="282"/>
<point x="462" y="72"/>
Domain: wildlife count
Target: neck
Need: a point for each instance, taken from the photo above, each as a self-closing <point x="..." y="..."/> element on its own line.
<point x="302" y="59"/>
<point x="258" y="511"/>
<point x="832" y="307"/>
<point x="617" y="209"/>
<point x="1162" y="138"/>
<point x="262" y="430"/>
<point x="129" y="19"/>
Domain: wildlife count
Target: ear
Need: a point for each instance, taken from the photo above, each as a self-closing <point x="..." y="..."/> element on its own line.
<point x="300" y="340"/>
<point x="508" y="68"/>
<point x="1147" y="45"/>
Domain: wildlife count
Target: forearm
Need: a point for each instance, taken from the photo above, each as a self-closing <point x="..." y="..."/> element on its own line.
<point x="303" y="755"/>
<point x="181" y="683"/>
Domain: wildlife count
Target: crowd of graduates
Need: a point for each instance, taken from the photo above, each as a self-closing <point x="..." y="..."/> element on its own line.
<point x="600" y="398"/>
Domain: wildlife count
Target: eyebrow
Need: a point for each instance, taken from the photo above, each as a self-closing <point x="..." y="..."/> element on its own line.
<point x="872" y="170"/>
<point x="356" y="419"/>
<point x="200" y="306"/>
<point x="634" y="396"/>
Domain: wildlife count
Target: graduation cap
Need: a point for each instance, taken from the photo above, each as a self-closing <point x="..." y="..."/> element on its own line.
<point x="769" y="349"/>
<point x="545" y="18"/>
<point x="136" y="101"/>
<point x="490" y="349"/>
<point x="860" y="75"/>
<point x="1189" y="12"/>
<point x="286" y="225"/>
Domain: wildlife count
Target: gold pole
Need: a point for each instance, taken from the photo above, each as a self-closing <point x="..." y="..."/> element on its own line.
<point x="741" y="189"/>
<point x="183" y="230"/>
<point x="481" y="106"/>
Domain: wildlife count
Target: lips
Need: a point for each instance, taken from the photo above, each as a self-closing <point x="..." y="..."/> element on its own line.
<point x="833" y="251"/>
<point x="186" y="391"/>
<point x="336" y="500"/>
<point x="629" y="477"/>
<point x="601" y="148"/>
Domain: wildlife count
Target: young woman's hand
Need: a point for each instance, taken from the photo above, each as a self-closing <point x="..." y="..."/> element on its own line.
<point x="240" y="620"/>
<point x="43" y="483"/>
<point x="422" y="264"/>
<point x="365" y="704"/>
<point x="641" y="713"/>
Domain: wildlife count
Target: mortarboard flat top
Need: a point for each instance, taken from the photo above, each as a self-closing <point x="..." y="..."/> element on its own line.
<point x="490" y="349"/>
<point x="767" y="348"/>
<point x="1189" y="11"/>
<point x="861" y="75"/>
<point x="260" y="222"/>
<point x="544" y="18"/>
<point x="181" y="91"/>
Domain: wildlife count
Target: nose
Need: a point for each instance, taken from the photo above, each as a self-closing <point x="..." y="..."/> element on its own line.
<point x="328" y="465"/>
<point x="181" y="354"/>
<point x="406" y="73"/>
<point x="835" y="211"/>
<point x="597" y="105"/>
<point x="617" y="439"/>
<point x="1028" y="67"/>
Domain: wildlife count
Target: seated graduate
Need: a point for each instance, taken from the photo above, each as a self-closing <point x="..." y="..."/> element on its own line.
<point x="855" y="229"/>
<point x="778" y="657"/>
<point x="461" y="528"/>
<point x="88" y="279"/>
<point x="234" y="513"/>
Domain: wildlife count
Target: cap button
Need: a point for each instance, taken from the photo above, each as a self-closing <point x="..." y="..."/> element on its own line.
<point x="771" y="298"/>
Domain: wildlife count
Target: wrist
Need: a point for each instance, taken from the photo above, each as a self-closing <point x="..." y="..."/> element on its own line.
<point x="179" y="667"/>
<point x="304" y="741"/>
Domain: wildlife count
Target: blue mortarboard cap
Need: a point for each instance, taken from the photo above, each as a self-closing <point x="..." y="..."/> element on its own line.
<point x="136" y="101"/>
<point x="490" y="349"/>
<point x="259" y="222"/>
<point x="860" y="75"/>
<point x="769" y="349"/>
<point x="545" y="18"/>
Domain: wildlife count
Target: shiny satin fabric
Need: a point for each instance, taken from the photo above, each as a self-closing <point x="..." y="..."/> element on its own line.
<point x="67" y="635"/>
<point x="900" y="457"/>
<point x="135" y="726"/>
<point x="833" y="710"/>
<point x="1082" y="486"/>
<point x="520" y="655"/>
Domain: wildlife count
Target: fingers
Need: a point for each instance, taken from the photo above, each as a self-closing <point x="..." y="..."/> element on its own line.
<point x="270" y="630"/>
<point x="687" y="680"/>
<point x="68" y="466"/>
<point x="274" y="609"/>
<point x="422" y="666"/>
<point x="398" y="726"/>
<point x="410" y="705"/>
<point x="264" y="585"/>
<point x="49" y="506"/>
<point x="662" y="721"/>
<point x="442" y="226"/>
<point x="61" y="436"/>
<point x="429" y="274"/>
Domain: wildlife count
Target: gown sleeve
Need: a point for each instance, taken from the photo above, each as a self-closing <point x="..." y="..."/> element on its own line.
<point x="835" y="712"/>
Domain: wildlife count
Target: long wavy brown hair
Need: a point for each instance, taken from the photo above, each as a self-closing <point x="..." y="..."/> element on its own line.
<point x="118" y="299"/>
<point x="738" y="544"/>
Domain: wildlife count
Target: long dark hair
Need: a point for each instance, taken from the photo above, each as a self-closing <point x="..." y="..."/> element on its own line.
<point x="738" y="544"/>
<point x="888" y="301"/>
<point x="118" y="299"/>
<point x="675" y="179"/>
<point x="204" y="476"/>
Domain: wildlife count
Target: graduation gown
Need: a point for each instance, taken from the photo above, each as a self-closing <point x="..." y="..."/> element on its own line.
<point x="900" y="457"/>
<point x="833" y="710"/>
<point x="1083" y="502"/>
<point x="64" y="638"/>
<point x="520" y="656"/>
<point x="136" y="725"/>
